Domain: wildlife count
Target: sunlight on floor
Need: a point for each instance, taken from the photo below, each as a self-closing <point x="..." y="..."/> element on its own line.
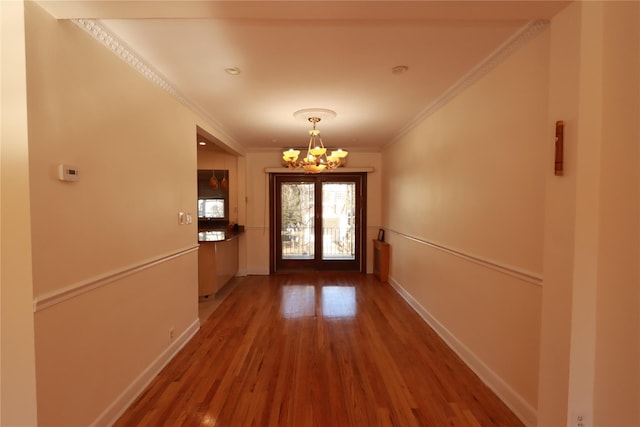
<point x="338" y="301"/>
<point x="335" y="301"/>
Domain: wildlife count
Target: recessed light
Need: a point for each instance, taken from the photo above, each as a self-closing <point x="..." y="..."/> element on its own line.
<point x="202" y="143"/>
<point x="234" y="71"/>
<point x="399" y="69"/>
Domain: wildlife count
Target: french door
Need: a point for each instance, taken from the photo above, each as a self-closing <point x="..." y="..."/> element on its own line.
<point x="317" y="221"/>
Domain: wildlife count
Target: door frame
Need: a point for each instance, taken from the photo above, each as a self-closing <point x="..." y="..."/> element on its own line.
<point x="361" y="228"/>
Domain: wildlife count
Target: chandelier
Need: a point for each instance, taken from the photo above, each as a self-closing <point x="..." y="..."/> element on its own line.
<point x="316" y="159"/>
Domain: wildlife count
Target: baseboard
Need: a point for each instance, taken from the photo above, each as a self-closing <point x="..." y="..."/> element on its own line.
<point x="110" y="415"/>
<point x="510" y="397"/>
<point x="257" y="272"/>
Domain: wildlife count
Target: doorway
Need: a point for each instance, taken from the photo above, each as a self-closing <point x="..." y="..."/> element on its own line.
<point x="317" y="222"/>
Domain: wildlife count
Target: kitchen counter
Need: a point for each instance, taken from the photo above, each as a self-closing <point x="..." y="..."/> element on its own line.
<point x="217" y="259"/>
<point x="217" y="235"/>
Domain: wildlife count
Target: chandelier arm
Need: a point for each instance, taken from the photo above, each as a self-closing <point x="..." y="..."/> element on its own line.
<point x="314" y="163"/>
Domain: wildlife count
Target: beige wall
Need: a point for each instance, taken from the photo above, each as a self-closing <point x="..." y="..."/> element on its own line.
<point x="590" y="329"/>
<point x="257" y="204"/>
<point x="17" y="353"/>
<point x="114" y="274"/>
<point x="560" y="208"/>
<point x="489" y="200"/>
<point x="465" y="221"/>
<point x="588" y="199"/>
<point x="617" y="312"/>
<point x="532" y="278"/>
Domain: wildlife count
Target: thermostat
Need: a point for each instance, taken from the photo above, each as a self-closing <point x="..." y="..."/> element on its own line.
<point x="68" y="173"/>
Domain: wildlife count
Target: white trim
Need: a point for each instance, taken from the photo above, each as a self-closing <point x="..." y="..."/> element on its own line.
<point x="517" y="40"/>
<point x="339" y="170"/>
<point x="258" y="272"/>
<point x="518" y="273"/>
<point x="248" y="228"/>
<point x="508" y="395"/>
<point x="111" y="414"/>
<point x="58" y="296"/>
<point x="103" y="35"/>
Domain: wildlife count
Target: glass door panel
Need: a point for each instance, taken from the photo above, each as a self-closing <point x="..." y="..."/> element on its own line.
<point x="297" y="226"/>
<point x="317" y="222"/>
<point x="338" y="220"/>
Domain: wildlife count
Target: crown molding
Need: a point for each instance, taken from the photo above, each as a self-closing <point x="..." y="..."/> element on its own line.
<point x="99" y="32"/>
<point x="506" y="49"/>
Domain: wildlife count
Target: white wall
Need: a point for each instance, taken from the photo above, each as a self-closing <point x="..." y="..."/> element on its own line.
<point x="463" y="202"/>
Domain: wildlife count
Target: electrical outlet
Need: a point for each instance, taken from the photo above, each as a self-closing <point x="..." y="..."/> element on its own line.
<point x="580" y="419"/>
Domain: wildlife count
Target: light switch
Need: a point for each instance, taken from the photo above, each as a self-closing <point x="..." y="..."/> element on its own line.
<point x="181" y="218"/>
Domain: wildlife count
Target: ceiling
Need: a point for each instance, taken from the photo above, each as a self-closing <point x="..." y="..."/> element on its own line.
<point x="293" y="55"/>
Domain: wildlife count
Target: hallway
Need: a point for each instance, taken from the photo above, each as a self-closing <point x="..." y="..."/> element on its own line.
<point x="331" y="349"/>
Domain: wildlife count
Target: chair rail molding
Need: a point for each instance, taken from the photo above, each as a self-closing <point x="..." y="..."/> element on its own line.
<point x="58" y="296"/>
<point x="518" y="273"/>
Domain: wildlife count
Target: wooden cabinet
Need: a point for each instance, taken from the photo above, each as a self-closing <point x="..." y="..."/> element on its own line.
<point x="226" y="261"/>
<point x="381" y="260"/>
<point x="206" y="269"/>
<point x="217" y="264"/>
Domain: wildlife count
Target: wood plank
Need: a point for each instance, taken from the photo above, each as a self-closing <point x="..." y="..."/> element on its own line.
<point x="328" y="349"/>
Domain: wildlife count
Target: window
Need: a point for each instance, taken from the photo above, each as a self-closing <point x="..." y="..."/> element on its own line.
<point x="211" y="208"/>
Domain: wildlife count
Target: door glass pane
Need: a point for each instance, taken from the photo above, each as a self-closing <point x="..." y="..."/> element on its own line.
<point x="338" y="220"/>
<point x="298" y="214"/>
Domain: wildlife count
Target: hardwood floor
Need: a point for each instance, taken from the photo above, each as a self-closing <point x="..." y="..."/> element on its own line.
<point x="327" y="349"/>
